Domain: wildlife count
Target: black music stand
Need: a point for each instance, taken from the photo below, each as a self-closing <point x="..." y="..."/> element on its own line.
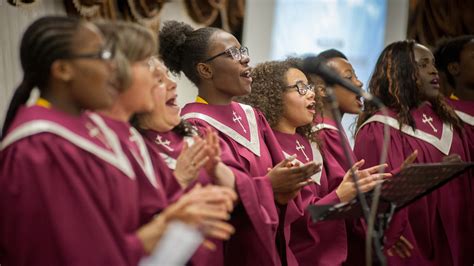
<point x="410" y="184"/>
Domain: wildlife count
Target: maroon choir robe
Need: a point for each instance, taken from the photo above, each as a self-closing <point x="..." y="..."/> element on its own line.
<point x="249" y="149"/>
<point x="321" y="243"/>
<point x="167" y="146"/>
<point x="68" y="193"/>
<point x="336" y="165"/>
<point x="157" y="187"/>
<point x="439" y="225"/>
<point x="465" y="111"/>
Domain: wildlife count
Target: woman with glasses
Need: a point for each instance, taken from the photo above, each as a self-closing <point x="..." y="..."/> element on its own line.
<point x="56" y="167"/>
<point x="218" y="65"/>
<point x="140" y="83"/>
<point x="281" y="91"/>
<point x="192" y="159"/>
<point x="439" y="225"/>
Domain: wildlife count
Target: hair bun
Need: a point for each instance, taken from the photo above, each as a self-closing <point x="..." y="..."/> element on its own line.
<point x="172" y="36"/>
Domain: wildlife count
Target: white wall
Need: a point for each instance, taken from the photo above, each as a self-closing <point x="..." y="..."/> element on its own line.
<point x="13" y="21"/>
<point x="397" y="21"/>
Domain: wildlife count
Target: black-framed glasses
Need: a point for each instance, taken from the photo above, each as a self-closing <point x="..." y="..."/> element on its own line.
<point x="234" y="52"/>
<point x="106" y="53"/>
<point x="301" y="88"/>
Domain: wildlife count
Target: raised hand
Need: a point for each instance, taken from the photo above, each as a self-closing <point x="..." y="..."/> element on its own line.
<point x="410" y="159"/>
<point x="452" y="158"/>
<point x="206" y="208"/>
<point x="222" y="174"/>
<point x="190" y="161"/>
<point x="368" y="179"/>
<point x="213" y="150"/>
<point x="401" y="248"/>
<point x="287" y="179"/>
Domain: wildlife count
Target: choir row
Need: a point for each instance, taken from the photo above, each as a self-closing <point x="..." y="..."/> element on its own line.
<point x="96" y="169"/>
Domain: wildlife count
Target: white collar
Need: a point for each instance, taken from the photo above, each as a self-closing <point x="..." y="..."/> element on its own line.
<point x="443" y="144"/>
<point x="466" y="118"/>
<point x="116" y="157"/>
<point x="320" y="126"/>
<point x="253" y="145"/>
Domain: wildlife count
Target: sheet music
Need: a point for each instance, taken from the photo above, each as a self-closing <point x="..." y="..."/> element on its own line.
<point x="176" y="247"/>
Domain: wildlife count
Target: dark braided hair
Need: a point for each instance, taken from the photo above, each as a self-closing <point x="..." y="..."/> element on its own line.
<point x="44" y="41"/>
<point x="182" y="47"/>
<point x="448" y="51"/>
<point x="268" y="88"/>
<point x="395" y="81"/>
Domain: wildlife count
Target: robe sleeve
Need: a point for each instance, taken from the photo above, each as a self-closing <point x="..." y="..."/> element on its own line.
<point x="256" y="187"/>
<point x="55" y="208"/>
<point x="335" y="160"/>
<point x="368" y="146"/>
<point x="256" y="200"/>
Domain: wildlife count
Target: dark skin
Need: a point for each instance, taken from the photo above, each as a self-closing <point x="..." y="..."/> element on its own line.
<point x="221" y="78"/>
<point x="224" y="78"/>
<point x="463" y="73"/>
<point x="428" y="74"/>
<point x="78" y="84"/>
<point x="348" y="101"/>
<point x="430" y="89"/>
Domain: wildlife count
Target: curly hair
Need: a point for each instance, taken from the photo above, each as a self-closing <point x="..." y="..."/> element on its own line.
<point x="396" y="82"/>
<point x="182" y="47"/>
<point x="268" y="88"/>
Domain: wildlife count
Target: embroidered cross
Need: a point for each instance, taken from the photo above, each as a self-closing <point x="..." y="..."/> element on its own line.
<point x="95" y="132"/>
<point x="165" y="143"/>
<point x="238" y="119"/>
<point x="429" y="120"/>
<point x="301" y="148"/>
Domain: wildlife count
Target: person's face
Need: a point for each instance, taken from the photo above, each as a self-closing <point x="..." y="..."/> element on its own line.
<point x="230" y="76"/>
<point x="92" y="80"/>
<point x="428" y="75"/>
<point x="348" y="101"/>
<point x="165" y="115"/>
<point x="299" y="110"/>
<point x="466" y="65"/>
<point x="138" y="97"/>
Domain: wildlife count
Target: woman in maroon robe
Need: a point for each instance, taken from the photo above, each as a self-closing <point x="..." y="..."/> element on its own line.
<point x="455" y="62"/>
<point x="63" y="175"/>
<point x="217" y="64"/>
<point x="186" y="154"/>
<point x="332" y="145"/>
<point x="137" y="45"/>
<point x="438" y="225"/>
<point x="282" y="93"/>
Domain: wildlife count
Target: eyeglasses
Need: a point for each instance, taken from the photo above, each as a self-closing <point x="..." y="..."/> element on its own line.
<point x="301" y="88"/>
<point x="106" y="53"/>
<point x="234" y="52"/>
